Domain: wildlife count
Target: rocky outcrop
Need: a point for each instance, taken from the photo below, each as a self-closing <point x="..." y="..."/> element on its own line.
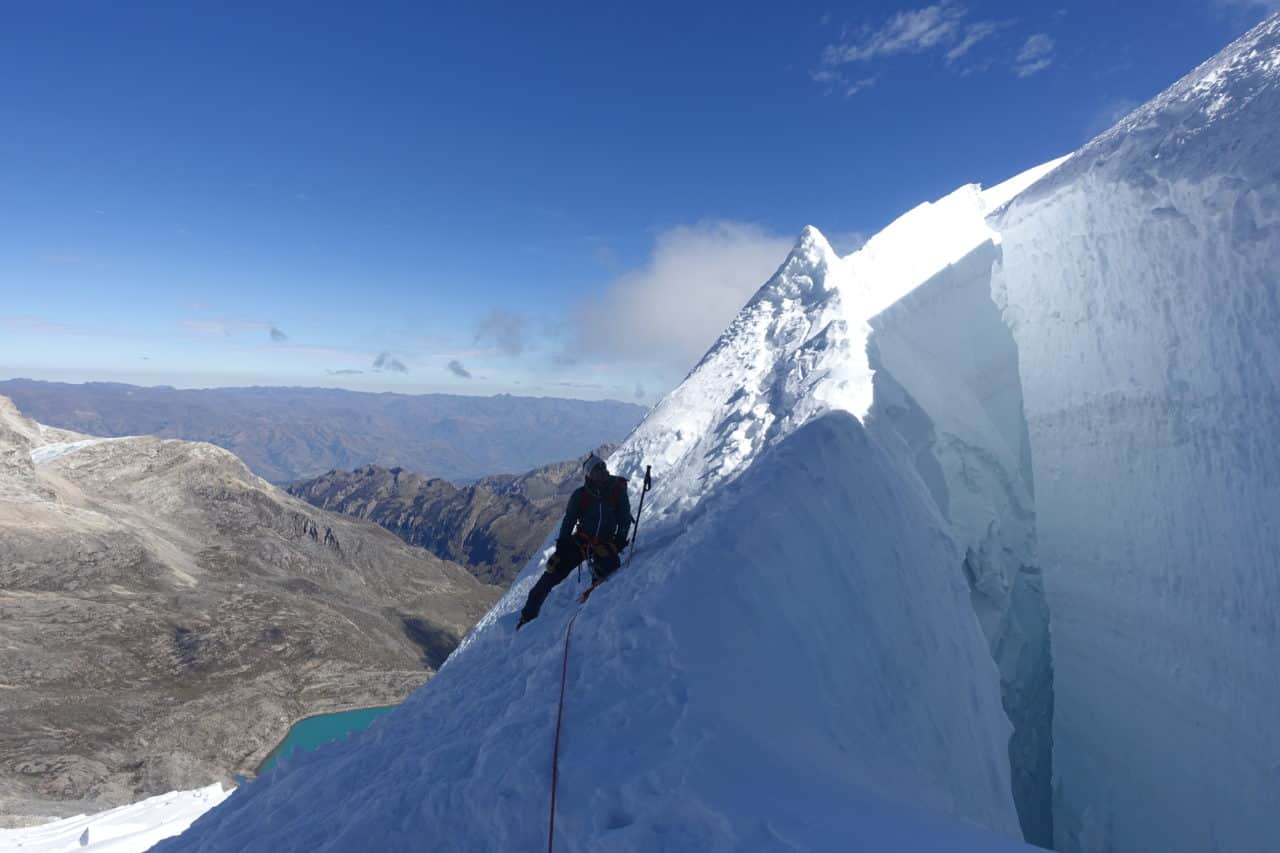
<point x="166" y="615"/>
<point x="492" y="527"/>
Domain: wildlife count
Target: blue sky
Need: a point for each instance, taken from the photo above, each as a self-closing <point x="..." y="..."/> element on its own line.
<point x="567" y="201"/>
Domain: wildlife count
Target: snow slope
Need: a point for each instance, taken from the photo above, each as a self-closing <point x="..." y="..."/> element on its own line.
<point x="792" y="661"/>
<point x="752" y="689"/>
<point x="128" y="829"/>
<point x="1142" y="285"/>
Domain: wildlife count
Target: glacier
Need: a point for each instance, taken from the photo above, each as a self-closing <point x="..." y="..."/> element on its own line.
<point x="967" y="537"/>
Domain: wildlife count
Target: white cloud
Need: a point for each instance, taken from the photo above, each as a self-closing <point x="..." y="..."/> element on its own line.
<point x="1036" y="55"/>
<point x="973" y="34"/>
<point x="669" y="312"/>
<point x="943" y="26"/>
<point x="209" y="327"/>
<point x="1269" y="5"/>
<point x="858" y="85"/>
<point x="909" y="31"/>
<point x="228" y="328"/>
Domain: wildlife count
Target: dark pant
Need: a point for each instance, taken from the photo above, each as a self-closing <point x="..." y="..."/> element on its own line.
<point x="571" y="553"/>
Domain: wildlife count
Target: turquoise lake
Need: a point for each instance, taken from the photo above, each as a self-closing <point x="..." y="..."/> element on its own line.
<point x="321" y="729"/>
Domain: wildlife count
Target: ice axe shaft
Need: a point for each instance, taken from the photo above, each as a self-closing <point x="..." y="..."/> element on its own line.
<point x="648" y="484"/>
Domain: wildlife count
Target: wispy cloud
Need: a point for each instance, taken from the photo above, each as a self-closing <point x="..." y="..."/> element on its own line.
<point x="944" y="28"/>
<point x="221" y="328"/>
<point x="1251" y="5"/>
<point x="670" y="311"/>
<point x="38" y="324"/>
<point x="973" y="35"/>
<point x="854" y="87"/>
<point x="209" y="327"/>
<point x="455" y="367"/>
<point x="388" y="363"/>
<point x="908" y="31"/>
<point x="1036" y="55"/>
<point x="346" y="371"/>
<point x="505" y="329"/>
<point x="640" y="392"/>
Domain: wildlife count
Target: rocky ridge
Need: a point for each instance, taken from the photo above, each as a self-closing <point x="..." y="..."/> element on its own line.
<point x="166" y="615"/>
<point x="492" y="526"/>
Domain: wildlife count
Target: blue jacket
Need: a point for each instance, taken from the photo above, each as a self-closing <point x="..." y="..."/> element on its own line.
<point x="599" y="514"/>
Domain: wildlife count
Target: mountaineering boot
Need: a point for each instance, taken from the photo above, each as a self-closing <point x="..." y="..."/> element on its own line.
<point x="582" y="599"/>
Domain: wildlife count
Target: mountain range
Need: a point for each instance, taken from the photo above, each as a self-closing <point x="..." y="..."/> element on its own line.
<point x="288" y="434"/>
<point x="492" y="526"/>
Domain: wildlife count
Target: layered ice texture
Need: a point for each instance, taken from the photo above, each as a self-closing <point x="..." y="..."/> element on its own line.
<point x="1141" y="282"/>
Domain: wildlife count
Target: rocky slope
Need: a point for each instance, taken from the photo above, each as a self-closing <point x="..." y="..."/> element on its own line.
<point x="492" y="527"/>
<point x="287" y="434"/>
<point x="166" y="615"/>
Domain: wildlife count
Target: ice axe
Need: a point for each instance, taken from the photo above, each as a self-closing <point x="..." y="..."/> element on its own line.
<point x="648" y="484"/>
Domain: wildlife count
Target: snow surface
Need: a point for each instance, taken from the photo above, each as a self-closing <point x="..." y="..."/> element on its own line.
<point x="127" y="829"/>
<point x="54" y="449"/>
<point x="751" y="689"/>
<point x="1142" y="284"/>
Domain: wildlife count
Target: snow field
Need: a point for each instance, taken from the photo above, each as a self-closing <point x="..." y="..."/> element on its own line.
<point x="127" y="829"/>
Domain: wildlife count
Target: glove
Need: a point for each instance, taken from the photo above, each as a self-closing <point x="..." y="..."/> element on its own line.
<point x="605" y="549"/>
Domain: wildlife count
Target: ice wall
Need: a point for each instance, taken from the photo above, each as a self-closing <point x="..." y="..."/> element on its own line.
<point x="1142" y="285"/>
<point x="947" y="385"/>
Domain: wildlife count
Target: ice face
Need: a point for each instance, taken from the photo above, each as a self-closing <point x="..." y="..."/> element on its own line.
<point x="1142" y="285"/>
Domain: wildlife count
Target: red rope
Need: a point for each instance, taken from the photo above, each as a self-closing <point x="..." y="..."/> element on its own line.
<point x="555" y="755"/>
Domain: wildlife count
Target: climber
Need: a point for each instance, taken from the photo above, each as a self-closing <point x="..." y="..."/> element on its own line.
<point x="595" y="528"/>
